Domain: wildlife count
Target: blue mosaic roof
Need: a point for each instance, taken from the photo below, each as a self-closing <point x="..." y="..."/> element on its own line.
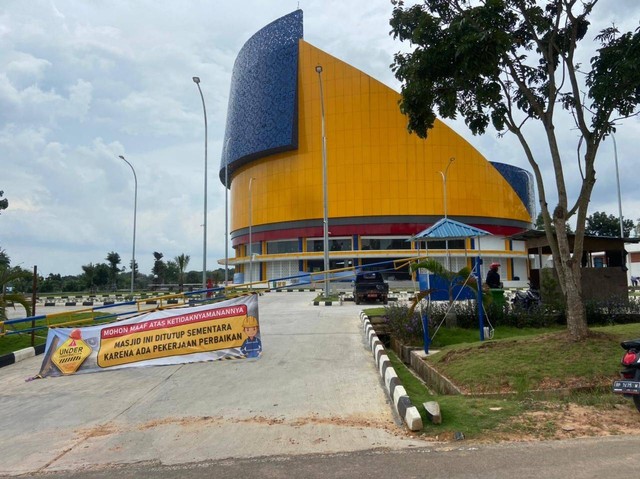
<point x="262" y="117"/>
<point x="521" y="181"/>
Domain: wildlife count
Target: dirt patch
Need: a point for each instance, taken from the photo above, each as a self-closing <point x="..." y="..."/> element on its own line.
<point x="568" y="421"/>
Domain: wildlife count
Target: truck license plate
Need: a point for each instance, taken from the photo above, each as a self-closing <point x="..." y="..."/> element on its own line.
<point x="626" y="387"/>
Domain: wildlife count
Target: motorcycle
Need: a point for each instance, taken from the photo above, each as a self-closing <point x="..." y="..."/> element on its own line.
<point x="629" y="383"/>
<point x="526" y="299"/>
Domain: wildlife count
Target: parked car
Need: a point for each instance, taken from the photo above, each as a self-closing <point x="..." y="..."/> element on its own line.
<point x="370" y="286"/>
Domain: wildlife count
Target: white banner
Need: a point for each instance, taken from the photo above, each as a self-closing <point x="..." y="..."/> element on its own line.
<point x="225" y="330"/>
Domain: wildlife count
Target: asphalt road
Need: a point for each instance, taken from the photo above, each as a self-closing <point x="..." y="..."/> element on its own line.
<point x="315" y="390"/>
<point x="595" y="458"/>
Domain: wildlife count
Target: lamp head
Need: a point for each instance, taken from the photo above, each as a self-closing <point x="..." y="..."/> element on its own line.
<point x="319" y="68"/>
<point x="196" y="79"/>
<point x="120" y="156"/>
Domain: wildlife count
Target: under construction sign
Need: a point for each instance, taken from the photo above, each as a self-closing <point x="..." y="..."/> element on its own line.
<point x="71" y="354"/>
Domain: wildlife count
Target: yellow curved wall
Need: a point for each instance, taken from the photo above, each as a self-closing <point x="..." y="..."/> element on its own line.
<point x="375" y="167"/>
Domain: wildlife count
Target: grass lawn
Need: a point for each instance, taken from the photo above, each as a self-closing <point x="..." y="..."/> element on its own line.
<point x="515" y="364"/>
<point x="534" y="360"/>
<point x="19" y="334"/>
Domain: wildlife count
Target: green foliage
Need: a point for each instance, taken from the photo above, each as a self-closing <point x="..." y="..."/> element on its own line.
<point x="509" y="62"/>
<point x="613" y="79"/>
<point x="5" y="261"/>
<point x="465" y="311"/>
<point x="7" y="277"/>
<point x="551" y="292"/>
<point x="471" y="415"/>
<point x="4" y="203"/>
<point x="485" y="61"/>
<point x="539" y="225"/>
<point x="182" y="261"/>
<point x="159" y="267"/>
<point x="612" y="311"/>
<point x="451" y="278"/>
<point x="113" y="259"/>
<point x="404" y="324"/>
<point x="599" y="224"/>
<point x="502" y="364"/>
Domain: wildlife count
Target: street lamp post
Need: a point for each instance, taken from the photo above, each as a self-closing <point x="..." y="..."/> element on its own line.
<point x="615" y="155"/>
<point x="325" y="218"/>
<point x="444" y="188"/>
<point x="532" y="192"/>
<point x="226" y="212"/>
<point x="196" y="80"/>
<point x="135" y="209"/>
<point x="444" y="183"/>
<point x="250" y="237"/>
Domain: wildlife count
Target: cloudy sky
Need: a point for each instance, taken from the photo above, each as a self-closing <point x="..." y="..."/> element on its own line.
<point x="82" y="82"/>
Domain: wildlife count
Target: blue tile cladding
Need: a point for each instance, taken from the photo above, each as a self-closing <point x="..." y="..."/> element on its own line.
<point x="262" y="117"/>
<point x="522" y="183"/>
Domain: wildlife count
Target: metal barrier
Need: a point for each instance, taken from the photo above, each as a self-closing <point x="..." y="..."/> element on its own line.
<point x="94" y="314"/>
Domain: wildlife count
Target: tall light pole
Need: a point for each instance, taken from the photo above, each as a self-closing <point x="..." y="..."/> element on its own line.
<point x="250" y="238"/>
<point x="444" y="189"/>
<point x="226" y="212"/>
<point x="325" y="219"/>
<point x="196" y="80"/>
<point x="532" y="190"/>
<point x="615" y="154"/>
<point x="531" y="193"/>
<point x="444" y="183"/>
<point x="135" y="209"/>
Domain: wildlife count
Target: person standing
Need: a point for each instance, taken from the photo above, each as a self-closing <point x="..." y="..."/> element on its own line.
<point x="493" y="276"/>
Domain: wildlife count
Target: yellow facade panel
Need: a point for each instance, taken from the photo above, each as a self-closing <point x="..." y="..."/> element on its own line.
<point x="375" y="167"/>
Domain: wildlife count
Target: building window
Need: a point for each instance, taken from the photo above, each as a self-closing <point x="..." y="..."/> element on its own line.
<point x="283" y="246"/>
<point x="442" y="244"/>
<point x="335" y="244"/>
<point x="385" y="243"/>
<point x="256" y="248"/>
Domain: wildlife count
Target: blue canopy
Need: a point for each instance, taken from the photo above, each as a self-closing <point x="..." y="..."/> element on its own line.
<point x="449" y="229"/>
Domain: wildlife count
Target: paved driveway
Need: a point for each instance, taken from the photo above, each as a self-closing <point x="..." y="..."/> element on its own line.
<point x="315" y="390"/>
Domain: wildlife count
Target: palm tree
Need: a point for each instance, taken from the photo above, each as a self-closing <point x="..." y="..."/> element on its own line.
<point x="182" y="261"/>
<point x="451" y="279"/>
<point x="5" y="261"/>
<point x="7" y="275"/>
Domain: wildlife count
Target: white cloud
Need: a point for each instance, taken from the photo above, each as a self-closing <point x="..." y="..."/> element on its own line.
<point x="83" y="82"/>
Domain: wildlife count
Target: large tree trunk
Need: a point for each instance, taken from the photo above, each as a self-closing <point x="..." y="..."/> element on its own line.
<point x="576" y="312"/>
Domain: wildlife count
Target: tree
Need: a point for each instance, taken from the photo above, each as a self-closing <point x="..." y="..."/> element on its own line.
<point x="5" y="261"/>
<point x="102" y="275"/>
<point x="451" y="279"/>
<point x="4" y="203"/>
<point x="511" y="63"/>
<point x="539" y="225"/>
<point x="134" y="266"/>
<point x="182" y="261"/>
<point x="171" y="272"/>
<point x="7" y="276"/>
<point x="89" y="274"/>
<point x="599" y="224"/>
<point x="159" y="268"/>
<point x="113" y="259"/>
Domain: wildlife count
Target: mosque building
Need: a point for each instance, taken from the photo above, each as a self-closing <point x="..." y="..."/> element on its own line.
<point x="383" y="184"/>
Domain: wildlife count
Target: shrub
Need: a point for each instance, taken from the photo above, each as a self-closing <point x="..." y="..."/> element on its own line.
<point x="403" y="325"/>
<point x="612" y="311"/>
